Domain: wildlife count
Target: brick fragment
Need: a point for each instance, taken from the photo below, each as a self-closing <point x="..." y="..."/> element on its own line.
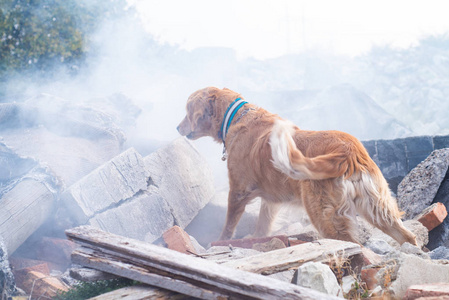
<point x="427" y="290"/>
<point x="249" y="243"/>
<point x="368" y="275"/>
<point x="20" y="275"/>
<point x="433" y="216"/>
<point x="177" y="239"/>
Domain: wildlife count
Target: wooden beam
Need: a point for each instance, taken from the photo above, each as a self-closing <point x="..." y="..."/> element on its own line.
<point x="175" y="271"/>
<point x="292" y="257"/>
<point x="139" y="292"/>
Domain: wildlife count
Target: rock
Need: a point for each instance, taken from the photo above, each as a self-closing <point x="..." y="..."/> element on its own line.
<point x="347" y="283"/>
<point x="286" y="276"/>
<point x="427" y="290"/>
<point x="151" y="217"/>
<point x="418" y="189"/>
<point x="440" y="235"/>
<point x="177" y="239"/>
<point x="106" y="187"/>
<point x="167" y="187"/>
<point x="273" y="244"/>
<point x="198" y="248"/>
<point x="432" y="216"/>
<point x="414" y="270"/>
<point x="183" y="178"/>
<point x="7" y="284"/>
<point x="319" y="277"/>
<point x="412" y="249"/>
<point x="379" y="246"/>
<point x="439" y="253"/>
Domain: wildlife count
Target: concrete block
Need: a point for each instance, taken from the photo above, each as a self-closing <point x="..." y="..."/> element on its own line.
<point x="117" y="180"/>
<point x="319" y="277"/>
<point x="144" y="217"/>
<point x="392" y="157"/>
<point x="183" y="178"/>
<point x="414" y="270"/>
<point x="433" y="216"/>
<point x="418" y="189"/>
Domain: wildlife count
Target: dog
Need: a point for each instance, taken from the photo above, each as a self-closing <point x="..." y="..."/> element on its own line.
<point x="329" y="173"/>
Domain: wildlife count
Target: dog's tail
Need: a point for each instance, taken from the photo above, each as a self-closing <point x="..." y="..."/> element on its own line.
<point x="288" y="159"/>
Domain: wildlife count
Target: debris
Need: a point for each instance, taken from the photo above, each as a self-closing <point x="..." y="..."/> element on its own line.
<point x="140" y="292"/>
<point x="292" y="257"/>
<point x="175" y="271"/>
<point x="427" y="290"/>
<point x="319" y="277"/>
<point x="250" y="242"/>
<point x="433" y="216"/>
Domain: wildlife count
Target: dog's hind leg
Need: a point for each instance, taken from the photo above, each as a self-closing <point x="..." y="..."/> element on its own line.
<point x="329" y="211"/>
<point x="375" y="203"/>
<point x="268" y="212"/>
<point x="237" y="202"/>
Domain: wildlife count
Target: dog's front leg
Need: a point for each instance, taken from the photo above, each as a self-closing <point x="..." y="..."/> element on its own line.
<point x="268" y="212"/>
<point x="237" y="202"/>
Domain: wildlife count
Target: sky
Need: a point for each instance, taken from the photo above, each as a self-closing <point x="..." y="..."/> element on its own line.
<point x="270" y="28"/>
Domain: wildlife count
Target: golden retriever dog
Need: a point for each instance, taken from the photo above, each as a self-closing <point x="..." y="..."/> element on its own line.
<point x="329" y="173"/>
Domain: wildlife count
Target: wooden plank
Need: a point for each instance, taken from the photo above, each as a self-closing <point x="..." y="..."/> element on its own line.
<point x="164" y="265"/>
<point x="139" y="292"/>
<point x="292" y="257"/>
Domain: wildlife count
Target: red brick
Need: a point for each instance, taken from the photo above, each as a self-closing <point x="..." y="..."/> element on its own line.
<point x="427" y="290"/>
<point x="177" y="239"/>
<point x="433" y="216"/>
<point x="368" y="275"/>
<point x="55" y="250"/>
<point x="249" y="243"/>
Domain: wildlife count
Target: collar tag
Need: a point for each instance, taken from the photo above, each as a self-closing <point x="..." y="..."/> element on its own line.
<point x="225" y="154"/>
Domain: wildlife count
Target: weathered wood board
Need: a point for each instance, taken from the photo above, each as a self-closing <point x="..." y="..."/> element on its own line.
<point x="175" y="271"/>
<point x="292" y="257"/>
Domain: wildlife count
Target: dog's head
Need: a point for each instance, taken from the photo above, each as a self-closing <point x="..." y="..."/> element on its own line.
<point x="205" y="109"/>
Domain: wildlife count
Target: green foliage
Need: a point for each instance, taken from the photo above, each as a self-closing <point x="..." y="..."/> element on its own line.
<point x="86" y="290"/>
<point x="37" y="35"/>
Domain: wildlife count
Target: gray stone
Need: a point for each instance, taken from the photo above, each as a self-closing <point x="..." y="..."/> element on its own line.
<point x="115" y="181"/>
<point x="415" y="270"/>
<point x="319" y="277"/>
<point x="183" y="178"/>
<point x="412" y="249"/>
<point x="144" y="217"/>
<point x="440" y="253"/>
<point x="418" y="189"/>
<point x="379" y="246"/>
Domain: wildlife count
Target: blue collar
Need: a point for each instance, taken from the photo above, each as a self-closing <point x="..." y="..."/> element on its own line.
<point x="229" y="115"/>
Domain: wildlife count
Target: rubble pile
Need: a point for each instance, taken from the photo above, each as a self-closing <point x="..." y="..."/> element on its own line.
<point x="155" y="218"/>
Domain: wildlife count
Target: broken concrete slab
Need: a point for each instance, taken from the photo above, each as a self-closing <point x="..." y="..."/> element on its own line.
<point x="319" y="277"/>
<point x="414" y="270"/>
<point x="418" y="189"/>
<point x="23" y="209"/>
<point x="183" y="178"/>
<point x="115" y="181"/>
<point x="151" y="217"/>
